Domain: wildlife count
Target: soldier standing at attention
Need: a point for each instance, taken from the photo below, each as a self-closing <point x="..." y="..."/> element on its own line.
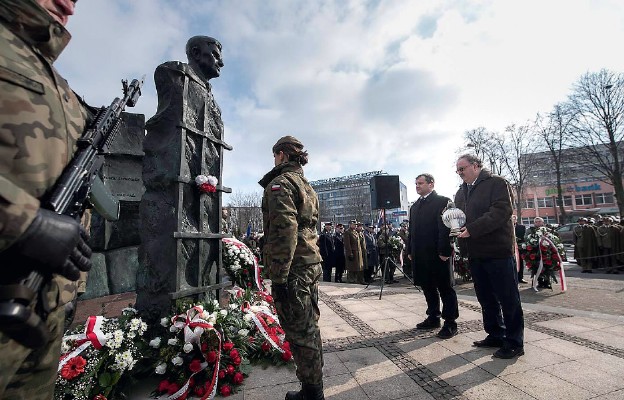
<point x="40" y="121"/>
<point x="327" y="248"/>
<point x="290" y="214"/>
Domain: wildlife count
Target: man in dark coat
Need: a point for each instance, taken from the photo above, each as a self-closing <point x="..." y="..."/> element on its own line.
<point x="339" y="255"/>
<point x="488" y="238"/>
<point x="327" y="249"/>
<point x="429" y="249"/>
<point x="372" y="258"/>
<point x="520" y="231"/>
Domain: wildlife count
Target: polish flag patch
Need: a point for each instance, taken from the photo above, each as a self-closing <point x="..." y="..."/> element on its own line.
<point x="276" y="187"/>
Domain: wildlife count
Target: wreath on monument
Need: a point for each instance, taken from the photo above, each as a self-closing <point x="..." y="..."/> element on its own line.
<point x="241" y="264"/>
<point x="206" y="183"/>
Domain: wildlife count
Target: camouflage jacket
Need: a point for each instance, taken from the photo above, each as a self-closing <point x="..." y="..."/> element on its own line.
<point x="290" y="215"/>
<point x="40" y="117"/>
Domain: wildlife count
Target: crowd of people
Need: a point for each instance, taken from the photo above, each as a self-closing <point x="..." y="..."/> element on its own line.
<point x="599" y="244"/>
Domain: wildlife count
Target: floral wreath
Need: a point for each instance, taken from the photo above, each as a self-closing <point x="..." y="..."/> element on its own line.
<point x="206" y="183"/>
<point x="544" y="256"/>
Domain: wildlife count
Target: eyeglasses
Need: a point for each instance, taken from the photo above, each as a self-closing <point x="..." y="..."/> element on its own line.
<point x="462" y="169"/>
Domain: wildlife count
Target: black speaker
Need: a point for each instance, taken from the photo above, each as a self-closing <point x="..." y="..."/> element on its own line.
<point x="385" y="192"/>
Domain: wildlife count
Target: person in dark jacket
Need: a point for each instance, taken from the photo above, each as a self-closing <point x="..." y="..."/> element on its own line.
<point x="327" y="249"/>
<point x="488" y="239"/>
<point x="520" y="231"/>
<point x="429" y="250"/>
<point x="372" y="257"/>
<point x="339" y="256"/>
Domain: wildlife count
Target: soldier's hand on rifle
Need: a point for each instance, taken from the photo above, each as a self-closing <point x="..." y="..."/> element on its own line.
<point x="57" y="243"/>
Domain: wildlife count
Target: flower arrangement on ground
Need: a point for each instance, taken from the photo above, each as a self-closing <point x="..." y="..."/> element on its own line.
<point x="202" y="352"/>
<point x="95" y="356"/>
<point x="241" y="264"/>
<point x="544" y="255"/>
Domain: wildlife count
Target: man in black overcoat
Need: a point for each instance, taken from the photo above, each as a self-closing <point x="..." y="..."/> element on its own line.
<point x="429" y="249"/>
<point x="520" y="231"/>
<point x="327" y="249"/>
<point x="339" y="256"/>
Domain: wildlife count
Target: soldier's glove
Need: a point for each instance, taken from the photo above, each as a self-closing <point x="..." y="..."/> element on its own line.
<point x="351" y="257"/>
<point x="57" y="243"/>
<point x="279" y="291"/>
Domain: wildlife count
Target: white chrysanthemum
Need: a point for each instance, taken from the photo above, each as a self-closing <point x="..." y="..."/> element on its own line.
<point x="161" y="368"/>
<point x="132" y="334"/>
<point x="142" y="328"/>
<point x="243" y="332"/>
<point x="124" y="361"/>
<point x="177" y="360"/>
<point x="205" y="315"/>
<point x="65" y="347"/>
<point x="172" y="342"/>
<point x="215" y="303"/>
<point x="115" y="339"/>
<point x="135" y="324"/>
<point x="164" y="322"/>
<point x="129" y="310"/>
<point x="173" y="329"/>
<point x="247" y="317"/>
<point x="155" y="343"/>
<point x="188" y="347"/>
<point x="223" y="313"/>
<point x="233" y="306"/>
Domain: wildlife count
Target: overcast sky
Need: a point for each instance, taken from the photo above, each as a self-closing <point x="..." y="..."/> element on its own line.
<point x="365" y="85"/>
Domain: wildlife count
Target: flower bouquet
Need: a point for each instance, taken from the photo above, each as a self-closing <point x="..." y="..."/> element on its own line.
<point x="199" y="359"/>
<point x="395" y="246"/>
<point x="241" y="264"/>
<point x="96" y="356"/>
<point x="544" y="255"/>
<point x="206" y="183"/>
<point x="266" y="340"/>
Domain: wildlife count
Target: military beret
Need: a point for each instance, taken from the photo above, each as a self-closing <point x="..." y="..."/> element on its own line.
<point x="289" y="140"/>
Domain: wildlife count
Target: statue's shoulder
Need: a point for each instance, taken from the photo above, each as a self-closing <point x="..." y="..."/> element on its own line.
<point x="175" y="66"/>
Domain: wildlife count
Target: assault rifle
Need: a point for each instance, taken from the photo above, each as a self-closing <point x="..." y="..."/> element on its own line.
<point x="69" y="196"/>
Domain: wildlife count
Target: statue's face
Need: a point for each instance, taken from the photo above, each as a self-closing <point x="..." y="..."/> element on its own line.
<point x="208" y="58"/>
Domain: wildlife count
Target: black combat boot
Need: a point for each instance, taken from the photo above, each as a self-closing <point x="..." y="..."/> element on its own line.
<point x="307" y="392"/>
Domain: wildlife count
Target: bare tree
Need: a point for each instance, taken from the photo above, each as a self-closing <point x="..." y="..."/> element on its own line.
<point x="554" y="131"/>
<point x="597" y="101"/>
<point x="483" y="144"/>
<point x="244" y="210"/>
<point x="516" y="152"/>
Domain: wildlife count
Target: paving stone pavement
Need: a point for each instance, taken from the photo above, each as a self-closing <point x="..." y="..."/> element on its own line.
<point x="574" y="344"/>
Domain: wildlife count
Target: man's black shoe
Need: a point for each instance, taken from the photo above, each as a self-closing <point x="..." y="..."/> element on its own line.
<point x="509" y="352"/>
<point x="429" y="323"/>
<point x="488" y="342"/>
<point x="523" y="281"/>
<point x="447" y="332"/>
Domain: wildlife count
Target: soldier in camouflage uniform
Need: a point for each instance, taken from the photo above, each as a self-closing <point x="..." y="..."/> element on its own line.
<point x="40" y="121"/>
<point x="290" y="215"/>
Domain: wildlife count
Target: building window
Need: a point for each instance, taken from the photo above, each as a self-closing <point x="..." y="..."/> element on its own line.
<point x="583" y="199"/>
<point x="567" y="201"/>
<point x="526" y="221"/>
<point x="529" y="203"/>
<point x="543" y="202"/>
<point x="549" y="219"/>
<point x="604" y="198"/>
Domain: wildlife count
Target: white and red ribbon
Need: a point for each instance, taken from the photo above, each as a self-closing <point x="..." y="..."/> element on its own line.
<point x="540" y="269"/>
<point x="93" y="336"/>
<point x="194" y="327"/>
<point x="259" y="315"/>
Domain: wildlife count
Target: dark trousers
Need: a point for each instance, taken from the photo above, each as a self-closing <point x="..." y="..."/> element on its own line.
<point x="340" y="267"/>
<point x="437" y="288"/>
<point x="521" y="269"/>
<point x="327" y="271"/>
<point x="496" y="286"/>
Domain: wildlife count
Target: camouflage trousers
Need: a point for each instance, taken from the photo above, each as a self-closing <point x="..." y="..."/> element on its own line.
<point x="30" y="374"/>
<point x="299" y="317"/>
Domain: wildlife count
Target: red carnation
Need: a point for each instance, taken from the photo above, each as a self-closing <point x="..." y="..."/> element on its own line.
<point x="287" y="355"/>
<point x="227" y="346"/>
<point x="221" y="374"/>
<point x="238" y="378"/>
<point x="234" y="353"/>
<point x="100" y="397"/>
<point x="236" y="361"/>
<point x="163" y="385"/>
<point x="195" y="365"/>
<point x="529" y="247"/>
<point x="211" y="357"/>
<point x="73" y="368"/>
<point x="269" y="299"/>
<point x="225" y="390"/>
<point x="199" y="391"/>
<point x="532" y="256"/>
<point x="230" y="369"/>
<point x="245" y="272"/>
<point x="547" y="262"/>
<point x="204" y="347"/>
<point x="251" y="339"/>
<point x="173" y="387"/>
<point x="266" y="347"/>
<point x="249" y="284"/>
<point x="208" y="188"/>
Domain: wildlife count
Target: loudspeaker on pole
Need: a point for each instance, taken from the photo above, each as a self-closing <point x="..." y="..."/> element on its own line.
<point x="385" y="192"/>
